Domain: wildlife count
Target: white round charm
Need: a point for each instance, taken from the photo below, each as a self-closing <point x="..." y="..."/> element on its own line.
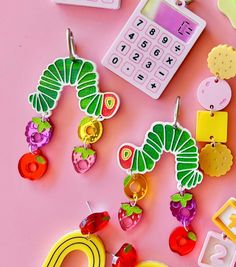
<point x="214" y="94"/>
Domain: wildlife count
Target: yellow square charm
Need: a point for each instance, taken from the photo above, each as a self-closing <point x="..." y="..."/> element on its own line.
<point x="225" y="219"/>
<point x="212" y="126"/>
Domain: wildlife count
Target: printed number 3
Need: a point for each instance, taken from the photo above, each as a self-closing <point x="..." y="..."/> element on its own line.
<point x="218" y="256"/>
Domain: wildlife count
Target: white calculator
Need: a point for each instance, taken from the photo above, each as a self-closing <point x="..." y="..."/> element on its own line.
<point x="112" y="4"/>
<point x="153" y="44"/>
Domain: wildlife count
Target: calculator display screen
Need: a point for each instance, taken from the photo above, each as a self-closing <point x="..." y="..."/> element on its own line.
<point x="170" y="19"/>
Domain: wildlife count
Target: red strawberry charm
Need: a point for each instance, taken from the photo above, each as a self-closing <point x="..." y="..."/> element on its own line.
<point x="83" y="158"/>
<point x="125" y="257"/>
<point x="94" y="223"/>
<point x="182" y="241"/>
<point x="129" y="216"/>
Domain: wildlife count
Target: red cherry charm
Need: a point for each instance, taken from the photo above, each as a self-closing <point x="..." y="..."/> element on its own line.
<point x="94" y="223"/>
<point x="125" y="257"/>
<point x="182" y="241"/>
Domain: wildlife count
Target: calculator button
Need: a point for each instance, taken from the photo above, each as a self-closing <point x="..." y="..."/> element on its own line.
<point x="152" y="32"/>
<point x="128" y="69"/>
<point x="144" y="44"/>
<point x="161" y="73"/>
<point x="148" y="64"/>
<point x="169" y="60"/>
<point x="165" y="40"/>
<point x="115" y="60"/>
<point x="140" y="77"/>
<point x="157" y="52"/>
<point x="153" y="86"/>
<point x="139" y="23"/>
<point x="136" y="56"/>
<point x="123" y="48"/>
<point x="177" y="48"/>
<point x="131" y="36"/>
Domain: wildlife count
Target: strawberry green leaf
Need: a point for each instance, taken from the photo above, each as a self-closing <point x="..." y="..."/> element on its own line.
<point x="125" y="206"/>
<point x="129" y="212"/>
<point x="137" y="210"/>
<point x="127" y="180"/>
<point x="183" y="202"/>
<point x="36" y="121"/>
<point x="41" y="127"/>
<point x="176" y="197"/>
<point x="128" y="248"/>
<point x="90" y="152"/>
<point x="192" y="236"/>
<point x="40" y="160"/>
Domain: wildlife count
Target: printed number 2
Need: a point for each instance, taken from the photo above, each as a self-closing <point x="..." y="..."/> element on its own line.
<point x="218" y="256"/>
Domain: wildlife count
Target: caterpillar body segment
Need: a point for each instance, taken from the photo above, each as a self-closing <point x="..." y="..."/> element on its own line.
<point x="81" y="74"/>
<point x="164" y="137"/>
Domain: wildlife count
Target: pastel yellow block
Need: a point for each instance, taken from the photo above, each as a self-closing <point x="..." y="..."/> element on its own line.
<point x="93" y="248"/>
<point x="150" y="9"/>
<point x="222" y="61"/>
<point x="151" y="264"/>
<point x="228" y="8"/>
<point x="211" y="128"/>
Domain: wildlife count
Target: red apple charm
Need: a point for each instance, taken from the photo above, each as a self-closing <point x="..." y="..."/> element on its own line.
<point x="125" y="257"/>
<point x="182" y="241"/>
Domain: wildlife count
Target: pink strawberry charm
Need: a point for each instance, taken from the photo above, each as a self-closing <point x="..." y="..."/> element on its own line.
<point x="83" y="158"/>
<point x="129" y="216"/>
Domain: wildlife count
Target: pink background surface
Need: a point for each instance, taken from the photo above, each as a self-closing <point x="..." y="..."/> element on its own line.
<point x="35" y="214"/>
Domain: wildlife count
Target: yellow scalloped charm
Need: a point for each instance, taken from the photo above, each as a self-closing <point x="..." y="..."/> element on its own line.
<point x="228" y="8"/>
<point x="93" y="248"/>
<point x="151" y="264"/>
<point x="216" y="160"/>
<point x="222" y="61"/>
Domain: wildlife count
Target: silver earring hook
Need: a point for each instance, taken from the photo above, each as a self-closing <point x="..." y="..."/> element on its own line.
<point x="176" y="113"/>
<point x="89" y="207"/>
<point x="71" y="44"/>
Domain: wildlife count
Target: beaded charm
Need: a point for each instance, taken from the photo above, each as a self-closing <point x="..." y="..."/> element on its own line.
<point x="214" y="94"/>
<point x="136" y="161"/>
<point x="98" y="106"/>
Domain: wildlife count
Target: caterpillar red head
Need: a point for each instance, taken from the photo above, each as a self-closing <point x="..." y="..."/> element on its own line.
<point x="111" y="103"/>
<point x="126" y="156"/>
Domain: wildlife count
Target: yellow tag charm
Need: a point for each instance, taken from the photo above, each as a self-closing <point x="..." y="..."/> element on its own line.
<point x="228" y="8"/>
<point x="222" y="61"/>
<point x="216" y="159"/>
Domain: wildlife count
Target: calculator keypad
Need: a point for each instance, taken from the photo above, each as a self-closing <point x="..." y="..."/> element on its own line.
<point x="146" y="55"/>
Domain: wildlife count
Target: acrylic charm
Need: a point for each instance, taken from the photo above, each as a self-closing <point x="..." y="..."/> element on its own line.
<point x="225" y="219"/>
<point x="125" y="257"/>
<point x="214" y="94"/>
<point x="93" y="248"/>
<point x="81" y="74"/>
<point x="33" y="165"/>
<point x="183" y="207"/>
<point x="228" y="8"/>
<point x="182" y="241"/>
<point x="129" y="215"/>
<point x="149" y="50"/>
<point x="217" y="251"/>
<point x="222" y="61"/>
<point x="216" y="159"/>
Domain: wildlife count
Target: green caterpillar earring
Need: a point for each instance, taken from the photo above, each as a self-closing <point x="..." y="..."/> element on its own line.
<point x="82" y="75"/>
<point x="136" y="161"/>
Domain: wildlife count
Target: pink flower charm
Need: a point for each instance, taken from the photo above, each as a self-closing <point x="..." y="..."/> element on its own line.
<point x="83" y="159"/>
